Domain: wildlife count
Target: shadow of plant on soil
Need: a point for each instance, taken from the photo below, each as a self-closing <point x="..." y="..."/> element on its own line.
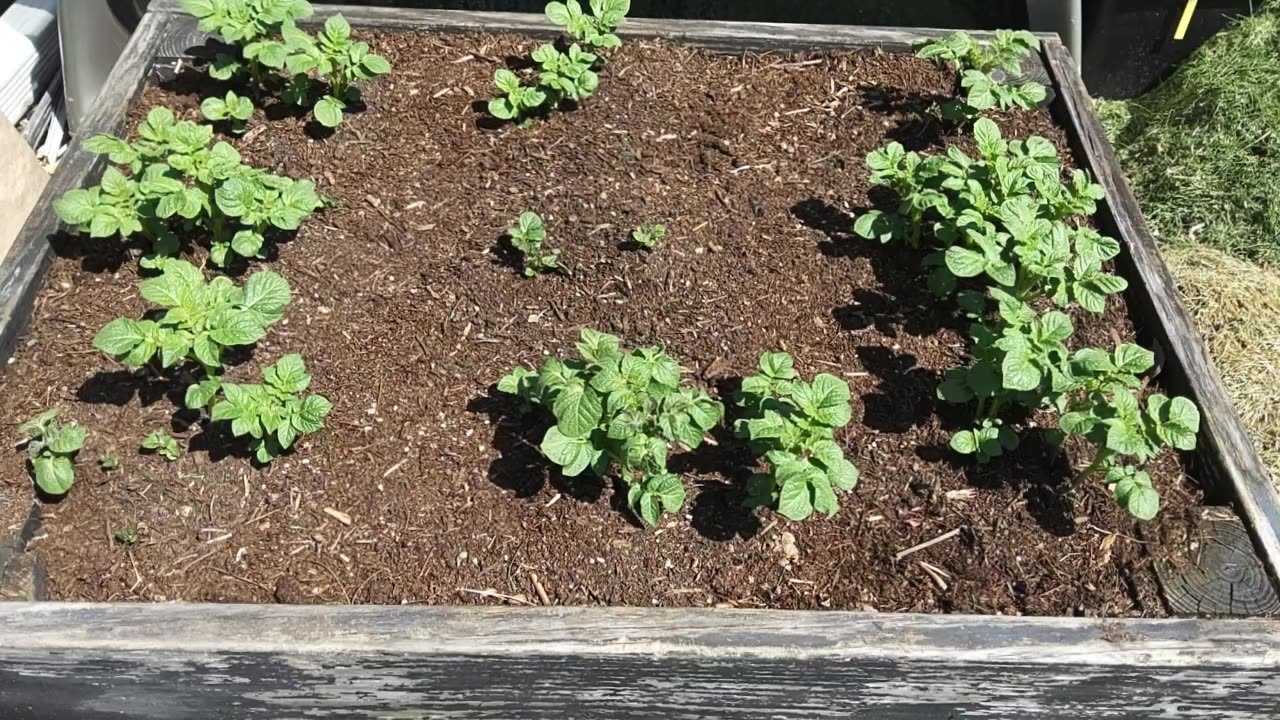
<point x="520" y="466"/>
<point x="902" y="303"/>
<point x="96" y="255"/>
<point x="917" y="126"/>
<point x="905" y="393"/>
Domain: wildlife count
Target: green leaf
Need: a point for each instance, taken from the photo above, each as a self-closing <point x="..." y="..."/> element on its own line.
<point x="1133" y="358"/>
<point x="778" y="365"/>
<point x="578" y="410"/>
<point x="328" y="111"/>
<point x="965" y="263"/>
<point x="376" y="65"/>
<point x="572" y="454"/>
<point x="236" y="327"/>
<point x="54" y="475"/>
<point x="200" y="394"/>
<point x="965" y="442"/>
<point x="557" y="13"/>
<point x="66" y="440"/>
<point x="311" y="414"/>
<point x="266" y="295"/>
<point x="120" y="336"/>
<point x="826" y="400"/>
<point x="337" y="28"/>
<point x="987" y="134"/>
<point x="1019" y="372"/>
<point x="289" y="374"/>
<point x="795" y="500"/>
<point x="842" y="474"/>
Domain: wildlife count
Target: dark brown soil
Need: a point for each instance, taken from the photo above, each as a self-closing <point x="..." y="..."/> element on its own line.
<point x="407" y="312"/>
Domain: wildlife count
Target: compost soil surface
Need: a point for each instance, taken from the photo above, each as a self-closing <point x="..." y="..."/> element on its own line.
<point x="426" y="487"/>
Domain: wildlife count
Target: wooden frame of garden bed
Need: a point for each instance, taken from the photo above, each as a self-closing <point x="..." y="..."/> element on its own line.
<point x="60" y="660"/>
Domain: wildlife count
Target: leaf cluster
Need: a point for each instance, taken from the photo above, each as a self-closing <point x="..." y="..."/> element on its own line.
<point x="199" y="321"/>
<point x="1008" y="240"/>
<point x="319" y="72"/>
<point x="52" y="449"/>
<point x="791" y="424"/>
<point x="171" y="180"/>
<point x="527" y="237"/>
<point x="595" y="30"/>
<point x="565" y="74"/>
<point x="163" y="444"/>
<point x="627" y="408"/>
<point x="982" y="67"/>
<point x="231" y="109"/>
<point x="275" y="413"/>
<point x="649" y="235"/>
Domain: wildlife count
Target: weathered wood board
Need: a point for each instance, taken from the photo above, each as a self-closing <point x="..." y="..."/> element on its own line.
<point x="177" y="661"/>
<point x="166" y="662"/>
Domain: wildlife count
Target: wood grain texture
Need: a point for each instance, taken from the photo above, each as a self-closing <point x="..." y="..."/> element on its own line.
<point x="22" y="270"/>
<point x="1154" y="298"/>
<point x="734" y="36"/>
<point x="502" y="663"/>
<point x="1222" y="576"/>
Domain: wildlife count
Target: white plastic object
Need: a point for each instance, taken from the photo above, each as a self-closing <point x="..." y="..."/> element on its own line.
<point x="28" y="54"/>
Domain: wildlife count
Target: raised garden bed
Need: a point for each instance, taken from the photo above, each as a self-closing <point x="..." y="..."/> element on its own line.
<point x="427" y="486"/>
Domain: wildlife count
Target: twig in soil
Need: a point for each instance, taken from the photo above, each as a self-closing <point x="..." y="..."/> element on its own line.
<point x="542" y="592"/>
<point x="552" y="501"/>
<point x="338" y="515"/>
<point x="495" y="594"/>
<point x="926" y="544"/>
<point x="394" y="468"/>
<point x="936" y="574"/>
<point x="246" y="581"/>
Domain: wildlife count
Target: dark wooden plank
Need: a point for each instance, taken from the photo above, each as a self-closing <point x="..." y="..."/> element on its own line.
<point x="61" y="660"/>
<point x="22" y="271"/>
<point x="1154" y="294"/>
<point x="729" y="36"/>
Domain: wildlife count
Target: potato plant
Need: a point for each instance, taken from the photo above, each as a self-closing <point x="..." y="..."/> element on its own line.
<point x="52" y="449"/>
<point x="518" y="101"/>
<point x="249" y="24"/>
<point x="627" y="408"/>
<point x="276" y="413"/>
<point x="791" y="424"/>
<point x="597" y="29"/>
<point x="566" y="75"/>
<point x="319" y="72"/>
<point x="179" y="184"/>
<point x="201" y="319"/>
<point x="1006" y="238"/>
<point x="232" y="109"/>
<point x="649" y="235"/>
<point x="982" y="68"/>
<point x="336" y="60"/>
<point x="527" y="237"/>
<point x="163" y="444"/>
<point x="1106" y="409"/>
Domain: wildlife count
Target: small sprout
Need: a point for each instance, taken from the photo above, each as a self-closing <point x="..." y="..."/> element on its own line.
<point x="518" y="101"/>
<point x="596" y="30"/>
<point x="233" y="109"/>
<point x="163" y="444"/>
<point x="527" y="236"/>
<point x="108" y="461"/>
<point x="566" y="75"/>
<point x="128" y="535"/>
<point x="989" y="441"/>
<point x="52" y="448"/>
<point x="648" y="236"/>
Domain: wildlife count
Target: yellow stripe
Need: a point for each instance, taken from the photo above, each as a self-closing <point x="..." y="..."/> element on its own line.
<point x="1186" y="20"/>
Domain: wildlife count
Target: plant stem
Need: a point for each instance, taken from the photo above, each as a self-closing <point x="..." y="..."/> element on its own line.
<point x="1098" y="461"/>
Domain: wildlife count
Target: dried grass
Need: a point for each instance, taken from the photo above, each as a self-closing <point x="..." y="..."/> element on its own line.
<point x="1236" y="306"/>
